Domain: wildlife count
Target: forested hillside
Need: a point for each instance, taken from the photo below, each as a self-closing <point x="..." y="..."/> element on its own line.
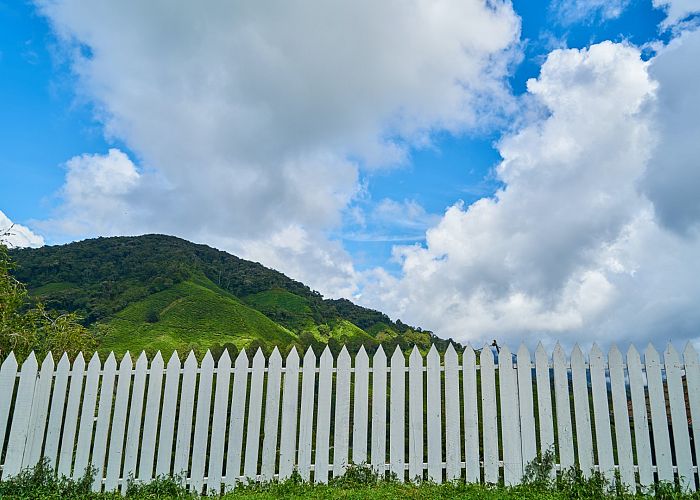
<point x="161" y="292"/>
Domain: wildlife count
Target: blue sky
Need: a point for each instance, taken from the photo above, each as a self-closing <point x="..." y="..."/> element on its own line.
<point x="87" y="152"/>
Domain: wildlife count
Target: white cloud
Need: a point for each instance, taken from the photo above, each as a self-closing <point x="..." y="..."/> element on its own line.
<point x="251" y="119"/>
<point x="676" y="10"/>
<point x="574" y="11"/>
<point x="17" y="235"/>
<point x="570" y="246"/>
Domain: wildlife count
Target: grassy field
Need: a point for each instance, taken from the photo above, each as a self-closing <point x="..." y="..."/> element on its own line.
<point x="190" y="315"/>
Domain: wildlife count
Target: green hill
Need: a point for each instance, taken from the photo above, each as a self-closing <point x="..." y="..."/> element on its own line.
<point x="160" y="292"/>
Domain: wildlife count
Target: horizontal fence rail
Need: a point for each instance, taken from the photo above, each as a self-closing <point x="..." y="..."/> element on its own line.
<point x="475" y="416"/>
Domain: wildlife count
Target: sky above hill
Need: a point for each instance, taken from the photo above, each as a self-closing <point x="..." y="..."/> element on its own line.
<point x="524" y="170"/>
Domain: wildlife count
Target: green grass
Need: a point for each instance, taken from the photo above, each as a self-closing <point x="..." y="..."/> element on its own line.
<point x="359" y="482"/>
<point x="50" y="288"/>
<point x="193" y="314"/>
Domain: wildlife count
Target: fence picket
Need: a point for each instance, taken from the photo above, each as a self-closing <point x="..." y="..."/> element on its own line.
<point x="150" y="419"/>
<point x="453" y="440"/>
<point x="545" y="416"/>
<point x="659" y="421"/>
<point x="471" y="416"/>
<point x="306" y="414"/>
<point x="415" y="415"/>
<point x="360" y="408"/>
<point x="104" y="414"/>
<point x="565" y="435"/>
<point x="201" y="423"/>
<point x="288" y="436"/>
<point x="679" y="419"/>
<point x="582" y="411"/>
<point x="272" y="401"/>
<point x="116" y="436"/>
<point x="181" y="461"/>
<point x="8" y="375"/>
<point x="510" y="419"/>
<point x="40" y="409"/>
<point x="623" y="437"/>
<point x="692" y="374"/>
<point x="639" y="412"/>
<point x="526" y="405"/>
<point x="379" y="411"/>
<point x="323" y="416"/>
<point x="397" y="409"/>
<point x="19" y="427"/>
<point x="87" y="417"/>
<point x="341" y="435"/>
<point x="70" y="422"/>
<point x="235" y="433"/>
<point x="167" y="419"/>
<point x="218" y="423"/>
<point x="252" y="444"/>
<point x="601" y="414"/>
<point x="133" y="432"/>
<point x="434" y="415"/>
<point x="488" y="411"/>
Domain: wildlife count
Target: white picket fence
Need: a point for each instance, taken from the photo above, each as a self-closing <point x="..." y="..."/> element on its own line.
<point x="432" y="418"/>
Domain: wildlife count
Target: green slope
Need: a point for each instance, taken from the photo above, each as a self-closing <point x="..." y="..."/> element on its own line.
<point x="190" y="315"/>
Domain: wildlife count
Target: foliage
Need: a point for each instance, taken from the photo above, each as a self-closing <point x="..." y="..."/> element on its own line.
<point x="27" y="325"/>
<point x="359" y="482"/>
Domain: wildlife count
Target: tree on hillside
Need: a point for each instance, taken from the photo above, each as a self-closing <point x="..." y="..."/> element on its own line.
<point x="27" y="326"/>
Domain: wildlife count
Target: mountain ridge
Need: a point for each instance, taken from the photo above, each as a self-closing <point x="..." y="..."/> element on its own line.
<point x="158" y="292"/>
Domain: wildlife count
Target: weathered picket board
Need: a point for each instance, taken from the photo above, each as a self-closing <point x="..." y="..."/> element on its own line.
<point x="467" y="415"/>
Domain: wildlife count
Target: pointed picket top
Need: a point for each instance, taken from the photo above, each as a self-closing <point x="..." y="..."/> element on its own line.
<point x="344" y="357"/>
<point x="633" y="353"/>
<point x="361" y="355"/>
<point x="505" y="357"/>
<point x="326" y="357"/>
<point x="94" y="363"/>
<point x="259" y="358"/>
<point x="398" y="357"/>
<point x="125" y="363"/>
<point x="242" y="359"/>
<point x="63" y="362"/>
<point x="541" y="353"/>
<point x="486" y="356"/>
<point x="671" y="355"/>
<point x="651" y="354"/>
<point x="208" y="360"/>
<point x="415" y="355"/>
<point x="10" y="362"/>
<point x="48" y="363"/>
<point x="596" y="352"/>
<point x="174" y="360"/>
<point x="142" y="361"/>
<point x="309" y="356"/>
<point x="433" y="354"/>
<point x="111" y="361"/>
<point x="30" y="362"/>
<point x="577" y="355"/>
<point x="191" y="360"/>
<point x="468" y="354"/>
<point x="224" y="362"/>
<point x="275" y="358"/>
<point x="158" y="356"/>
<point x="558" y="354"/>
<point x="523" y="354"/>
<point x="380" y="355"/>
<point x="451" y="354"/>
<point x="292" y="357"/>
<point x="614" y="355"/>
<point x="690" y="355"/>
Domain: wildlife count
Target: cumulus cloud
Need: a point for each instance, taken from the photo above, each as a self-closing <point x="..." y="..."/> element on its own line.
<point x="252" y="119"/>
<point x="570" y="245"/>
<point x="17" y="235"/>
